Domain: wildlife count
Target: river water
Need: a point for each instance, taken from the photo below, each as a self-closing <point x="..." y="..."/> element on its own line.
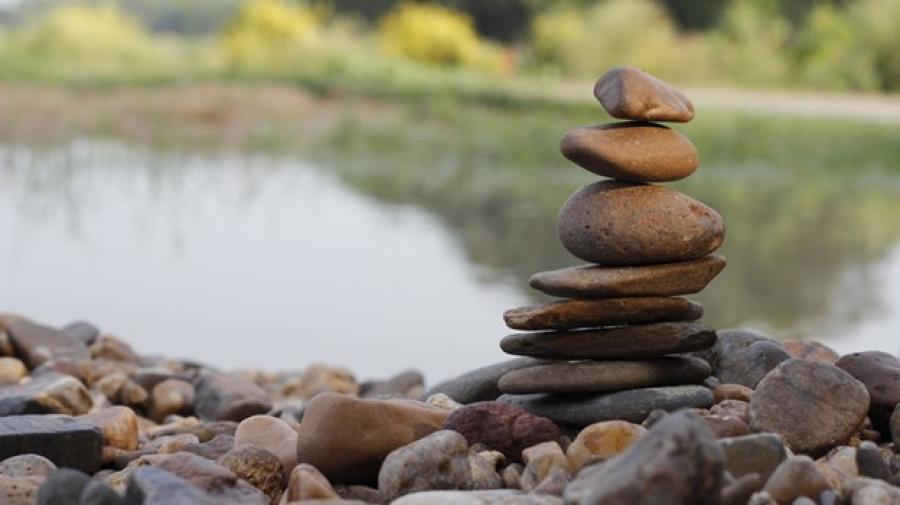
<point x="266" y="261"/>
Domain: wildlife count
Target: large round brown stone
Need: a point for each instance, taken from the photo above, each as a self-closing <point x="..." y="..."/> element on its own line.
<point x="603" y="376"/>
<point x="347" y="438"/>
<point x="667" y="279"/>
<point x="626" y="342"/>
<point x="622" y="223"/>
<point x="813" y="406"/>
<point x="632" y="151"/>
<point x="630" y="93"/>
<point x="571" y="314"/>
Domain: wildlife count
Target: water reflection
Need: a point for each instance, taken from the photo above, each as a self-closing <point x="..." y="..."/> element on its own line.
<point x="248" y="260"/>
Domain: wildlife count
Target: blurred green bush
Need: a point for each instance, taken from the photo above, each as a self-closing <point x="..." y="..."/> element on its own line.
<point x="823" y="44"/>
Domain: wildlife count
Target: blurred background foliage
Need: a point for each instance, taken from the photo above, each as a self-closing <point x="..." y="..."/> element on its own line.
<point x="806" y="44"/>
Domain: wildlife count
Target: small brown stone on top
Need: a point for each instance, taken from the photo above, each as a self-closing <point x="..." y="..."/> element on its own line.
<point x="632" y="151"/>
<point x="630" y="93"/>
<point x="666" y="279"/>
<point x="571" y="314"/>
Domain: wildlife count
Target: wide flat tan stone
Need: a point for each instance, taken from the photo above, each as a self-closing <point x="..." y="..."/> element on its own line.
<point x="665" y="279"/>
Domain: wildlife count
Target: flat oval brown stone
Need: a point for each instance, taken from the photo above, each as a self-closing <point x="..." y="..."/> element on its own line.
<point x="623" y="223"/>
<point x="668" y="279"/>
<point x="571" y="314"/>
<point x="639" y="152"/>
<point x="630" y="93"/>
<point x="603" y="376"/>
<point x="626" y="342"/>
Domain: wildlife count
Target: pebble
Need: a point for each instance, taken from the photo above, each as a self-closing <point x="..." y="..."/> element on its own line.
<point x="739" y="392"/>
<point x="329" y="434"/>
<point x="171" y="396"/>
<point x="151" y="486"/>
<point x="98" y="493"/>
<point x="540" y="460"/>
<point x="811" y="350"/>
<point x="83" y="331"/>
<point x="604" y="376"/>
<point x="677" y="462"/>
<point x="307" y="483"/>
<point x="212" y="449"/>
<point x="63" y="487"/>
<point x="442" y="401"/>
<point x="668" y="279"/>
<point x="19" y="490"/>
<point x="26" y="465"/>
<point x="479" y="385"/>
<point x="258" y="467"/>
<point x="512" y="476"/>
<point x="554" y="483"/>
<point x="627" y="92"/>
<point x="601" y="441"/>
<point x="726" y="426"/>
<point x="408" y="384"/>
<point x="229" y="397"/>
<point x="502" y="427"/>
<point x="626" y="342"/>
<point x="113" y="349"/>
<point x="870" y="462"/>
<point x="749" y="365"/>
<point x="213" y="479"/>
<point x="880" y="372"/>
<point x="571" y="314"/>
<point x="759" y="453"/>
<point x="37" y="343"/>
<point x="598" y="224"/>
<point x="436" y="462"/>
<point x="735" y="408"/>
<point x="120" y="390"/>
<point x="632" y="405"/>
<point x="321" y="378"/>
<point x="740" y="491"/>
<point x="48" y="393"/>
<point x="63" y="440"/>
<point x="795" y="477"/>
<point x="863" y="491"/>
<point x="271" y="434"/>
<point x="118" y="424"/>
<point x="838" y="465"/>
<point x="632" y="151"/>
<point x="813" y="406"/>
<point x="11" y="370"/>
<point x="494" y="497"/>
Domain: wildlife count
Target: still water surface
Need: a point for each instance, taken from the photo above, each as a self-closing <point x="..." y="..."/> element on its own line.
<point x="270" y="261"/>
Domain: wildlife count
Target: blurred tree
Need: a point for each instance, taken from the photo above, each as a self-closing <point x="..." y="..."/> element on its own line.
<point x="696" y="14"/>
<point x="877" y="22"/>
<point x="267" y="33"/>
<point x="750" y="46"/>
<point x="828" y="52"/>
<point x="188" y="17"/>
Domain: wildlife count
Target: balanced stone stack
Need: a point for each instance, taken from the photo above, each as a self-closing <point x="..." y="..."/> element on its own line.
<point x="616" y="346"/>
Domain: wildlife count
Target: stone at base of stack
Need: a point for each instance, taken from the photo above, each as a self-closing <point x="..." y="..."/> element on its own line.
<point x="615" y="346"/>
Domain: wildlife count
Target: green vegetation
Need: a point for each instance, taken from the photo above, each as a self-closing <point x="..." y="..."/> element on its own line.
<point x="388" y="46"/>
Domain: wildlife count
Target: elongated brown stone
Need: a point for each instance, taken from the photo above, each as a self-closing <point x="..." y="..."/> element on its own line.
<point x="571" y="314"/>
<point x="630" y="93"/>
<point x="604" y="376"/>
<point x="622" y="223"/>
<point x="666" y="279"/>
<point x="626" y="342"/>
<point x="632" y="151"/>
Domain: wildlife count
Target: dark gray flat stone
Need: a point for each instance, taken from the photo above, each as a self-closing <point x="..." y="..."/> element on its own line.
<point x="626" y="342"/>
<point x="36" y="344"/>
<point x="479" y="385"/>
<point x="632" y="405"/>
<point x="605" y="376"/>
<point x="65" y="441"/>
<point x="572" y="314"/>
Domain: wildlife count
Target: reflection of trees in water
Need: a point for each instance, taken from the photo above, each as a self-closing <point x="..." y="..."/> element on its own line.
<point x="801" y="253"/>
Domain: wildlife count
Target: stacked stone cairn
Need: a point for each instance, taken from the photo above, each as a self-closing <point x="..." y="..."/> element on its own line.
<point x="615" y="348"/>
